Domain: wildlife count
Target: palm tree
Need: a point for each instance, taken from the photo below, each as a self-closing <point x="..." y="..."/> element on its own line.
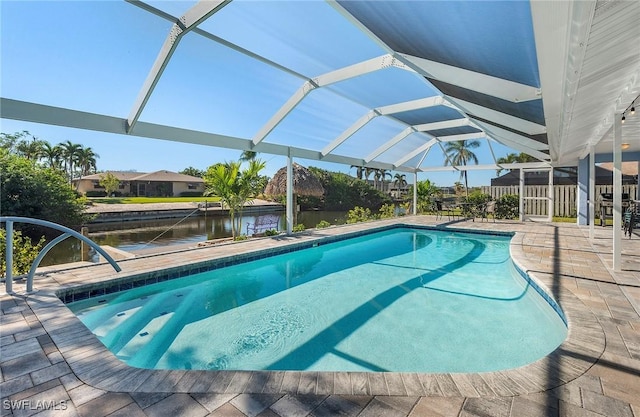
<point x="70" y="153"/>
<point x="30" y="149"/>
<point x="383" y="173"/>
<point x="248" y="156"/>
<point x="52" y="155"/>
<point x="459" y="152"/>
<point x="87" y="161"/>
<point x="367" y="172"/>
<point x="400" y="180"/>
<point x="359" y="171"/>
<point x="234" y="187"/>
<point x="512" y="157"/>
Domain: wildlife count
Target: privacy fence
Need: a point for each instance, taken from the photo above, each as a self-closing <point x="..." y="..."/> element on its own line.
<point x="564" y="197"/>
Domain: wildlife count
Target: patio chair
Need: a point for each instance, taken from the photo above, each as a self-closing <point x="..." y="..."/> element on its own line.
<point x="489" y="208"/>
<point x="629" y="220"/>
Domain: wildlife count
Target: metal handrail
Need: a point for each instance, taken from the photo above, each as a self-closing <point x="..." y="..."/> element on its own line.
<point x="32" y="271"/>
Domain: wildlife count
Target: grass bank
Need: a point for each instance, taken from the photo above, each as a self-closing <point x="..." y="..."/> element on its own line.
<point x="151" y="200"/>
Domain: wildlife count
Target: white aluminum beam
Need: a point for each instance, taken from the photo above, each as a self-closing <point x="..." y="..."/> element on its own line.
<point x="385" y="147"/>
<point x="515" y="143"/>
<point x="446" y="124"/>
<point x="522" y="141"/>
<point x="475" y="81"/>
<point x="324" y="80"/>
<point x="484" y="167"/>
<point x="287" y="108"/>
<point x="551" y="21"/>
<point x="416" y="152"/>
<point x="423" y="157"/>
<point x="422" y="103"/>
<point x="350" y="131"/>
<point x="192" y="18"/>
<point x="354" y="70"/>
<point x="57" y="116"/>
<point x="466" y="136"/>
<point x="503" y="119"/>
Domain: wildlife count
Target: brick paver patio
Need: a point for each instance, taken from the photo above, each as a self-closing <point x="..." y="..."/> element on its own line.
<point x="51" y="364"/>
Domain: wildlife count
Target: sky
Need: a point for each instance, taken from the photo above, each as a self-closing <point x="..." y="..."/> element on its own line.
<point x="95" y="56"/>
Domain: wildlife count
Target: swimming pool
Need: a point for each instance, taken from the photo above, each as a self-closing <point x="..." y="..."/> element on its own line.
<point x="404" y="300"/>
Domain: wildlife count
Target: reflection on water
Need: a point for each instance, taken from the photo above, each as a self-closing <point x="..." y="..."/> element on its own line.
<point x="137" y="235"/>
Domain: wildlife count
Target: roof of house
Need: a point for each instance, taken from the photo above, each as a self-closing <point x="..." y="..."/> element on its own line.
<point x="162" y="175"/>
<point x="603" y="176"/>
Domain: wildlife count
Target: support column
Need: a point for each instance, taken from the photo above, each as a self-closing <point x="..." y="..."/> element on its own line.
<point x="521" y="203"/>
<point x="415" y="193"/>
<point x="592" y="192"/>
<point x="551" y="195"/>
<point x="9" y="258"/>
<point x="290" y="201"/>
<point x="617" y="192"/>
<point x="582" y="192"/>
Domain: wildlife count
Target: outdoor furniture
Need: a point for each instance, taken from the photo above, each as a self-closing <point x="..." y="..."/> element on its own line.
<point x="263" y="223"/>
<point x="605" y="203"/>
<point x="468" y="210"/>
<point x="630" y="219"/>
<point x="488" y="208"/>
<point x="450" y="206"/>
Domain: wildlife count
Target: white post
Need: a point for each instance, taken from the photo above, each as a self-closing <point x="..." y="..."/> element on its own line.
<point x="9" y="258"/>
<point x="521" y="204"/>
<point x="290" y="201"/>
<point x="415" y="193"/>
<point x="617" y="192"/>
<point x="551" y="197"/>
<point x="592" y="192"/>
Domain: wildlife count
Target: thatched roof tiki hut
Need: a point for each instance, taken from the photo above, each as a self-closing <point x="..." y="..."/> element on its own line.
<point x="304" y="183"/>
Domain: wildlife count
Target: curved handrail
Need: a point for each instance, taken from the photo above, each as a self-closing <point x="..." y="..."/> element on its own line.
<point x="67" y="233"/>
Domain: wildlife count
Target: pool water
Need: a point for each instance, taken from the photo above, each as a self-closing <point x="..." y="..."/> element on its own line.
<point x="401" y="300"/>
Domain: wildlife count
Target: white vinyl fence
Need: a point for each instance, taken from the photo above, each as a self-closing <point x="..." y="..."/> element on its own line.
<point x="564" y="198"/>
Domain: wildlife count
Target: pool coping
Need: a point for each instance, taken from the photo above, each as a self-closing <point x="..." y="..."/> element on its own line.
<point x="95" y="365"/>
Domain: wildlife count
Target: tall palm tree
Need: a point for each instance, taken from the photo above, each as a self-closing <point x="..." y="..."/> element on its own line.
<point x="248" y="156"/>
<point x="383" y="174"/>
<point x="52" y="155"/>
<point x="359" y="171"/>
<point x="400" y="180"/>
<point x="513" y="157"/>
<point x="70" y="154"/>
<point x="30" y="149"/>
<point x="87" y="160"/>
<point x="459" y="152"/>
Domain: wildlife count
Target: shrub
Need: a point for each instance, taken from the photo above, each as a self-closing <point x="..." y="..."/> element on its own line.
<point x="30" y="190"/>
<point x="387" y="211"/>
<point x="96" y="193"/>
<point x="359" y="214"/>
<point x="508" y="206"/>
<point x="477" y="197"/>
<point x="298" y="227"/>
<point x="25" y="252"/>
<point x="271" y="232"/>
<point x="241" y="237"/>
<point x="323" y="224"/>
<point x="191" y="194"/>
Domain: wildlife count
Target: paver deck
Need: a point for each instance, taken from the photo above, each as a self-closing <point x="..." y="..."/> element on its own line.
<point x="52" y="365"/>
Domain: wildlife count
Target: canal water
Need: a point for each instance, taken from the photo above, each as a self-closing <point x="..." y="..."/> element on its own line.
<point x="148" y="234"/>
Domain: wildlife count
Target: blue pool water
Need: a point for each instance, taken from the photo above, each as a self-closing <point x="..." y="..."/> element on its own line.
<point x="401" y="300"/>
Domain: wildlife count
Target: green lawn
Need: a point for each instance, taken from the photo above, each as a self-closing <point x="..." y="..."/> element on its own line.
<point x="148" y="200"/>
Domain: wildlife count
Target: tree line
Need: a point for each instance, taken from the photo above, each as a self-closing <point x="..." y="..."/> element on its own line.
<point x="72" y="159"/>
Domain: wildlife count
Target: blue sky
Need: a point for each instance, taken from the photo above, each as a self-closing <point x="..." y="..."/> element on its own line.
<point x="94" y="56"/>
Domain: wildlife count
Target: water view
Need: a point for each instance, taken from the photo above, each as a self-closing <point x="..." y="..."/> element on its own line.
<point x="148" y="234"/>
